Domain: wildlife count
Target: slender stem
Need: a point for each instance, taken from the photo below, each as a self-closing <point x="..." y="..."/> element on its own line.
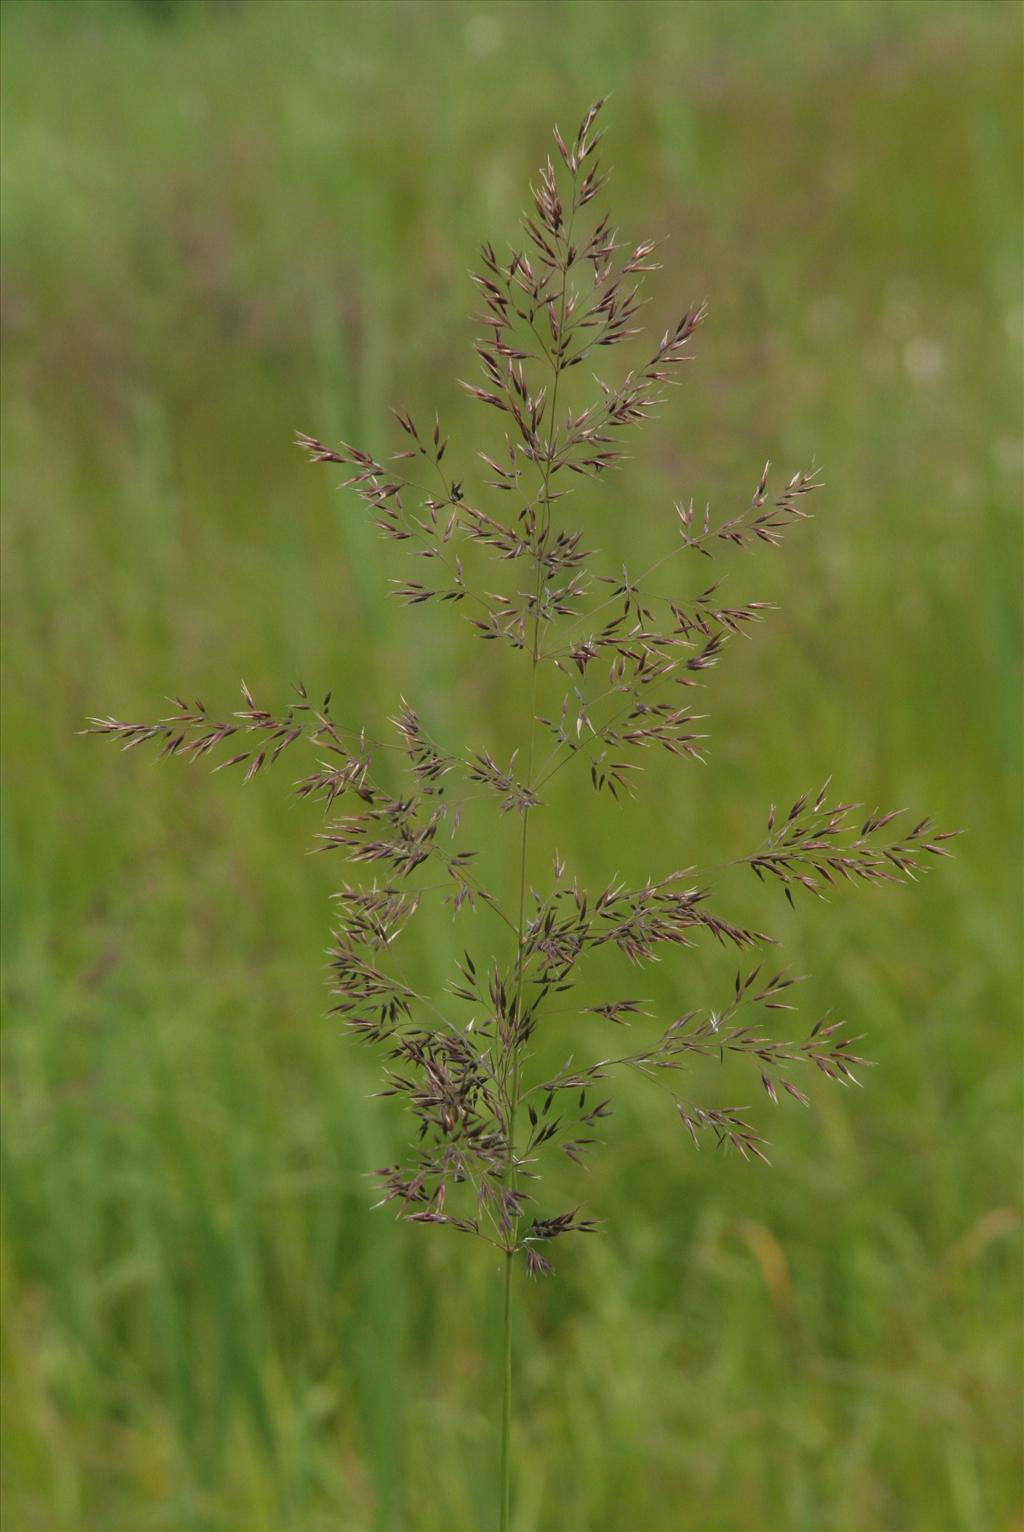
<point x="512" y="1081"/>
<point x="506" y="1402"/>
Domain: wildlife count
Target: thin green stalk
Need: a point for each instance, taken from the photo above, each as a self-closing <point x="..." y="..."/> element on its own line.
<point x="514" y="1092"/>
<point x="506" y="1402"/>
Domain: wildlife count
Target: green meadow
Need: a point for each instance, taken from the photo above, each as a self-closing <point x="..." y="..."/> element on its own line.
<point x="223" y="222"/>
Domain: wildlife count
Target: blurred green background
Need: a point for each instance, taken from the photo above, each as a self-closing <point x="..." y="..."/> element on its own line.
<point x="223" y="221"/>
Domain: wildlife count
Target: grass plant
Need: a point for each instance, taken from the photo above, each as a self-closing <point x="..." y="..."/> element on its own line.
<point x="223" y="221"/>
<point x="613" y="660"/>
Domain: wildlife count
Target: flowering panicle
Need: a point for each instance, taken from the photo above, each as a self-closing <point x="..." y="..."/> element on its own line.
<point x="492" y="539"/>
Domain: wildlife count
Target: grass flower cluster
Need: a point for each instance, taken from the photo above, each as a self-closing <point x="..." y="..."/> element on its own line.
<point x="615" y="659"/>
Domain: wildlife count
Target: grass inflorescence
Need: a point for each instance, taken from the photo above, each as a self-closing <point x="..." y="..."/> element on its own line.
<point x="497" y="531"/>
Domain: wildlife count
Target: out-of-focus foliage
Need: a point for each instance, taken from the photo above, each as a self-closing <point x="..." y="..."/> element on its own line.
<point x="225" y="221"/>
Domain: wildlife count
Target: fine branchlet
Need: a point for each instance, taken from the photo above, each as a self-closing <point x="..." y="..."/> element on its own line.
<point x="492" y="536"/>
